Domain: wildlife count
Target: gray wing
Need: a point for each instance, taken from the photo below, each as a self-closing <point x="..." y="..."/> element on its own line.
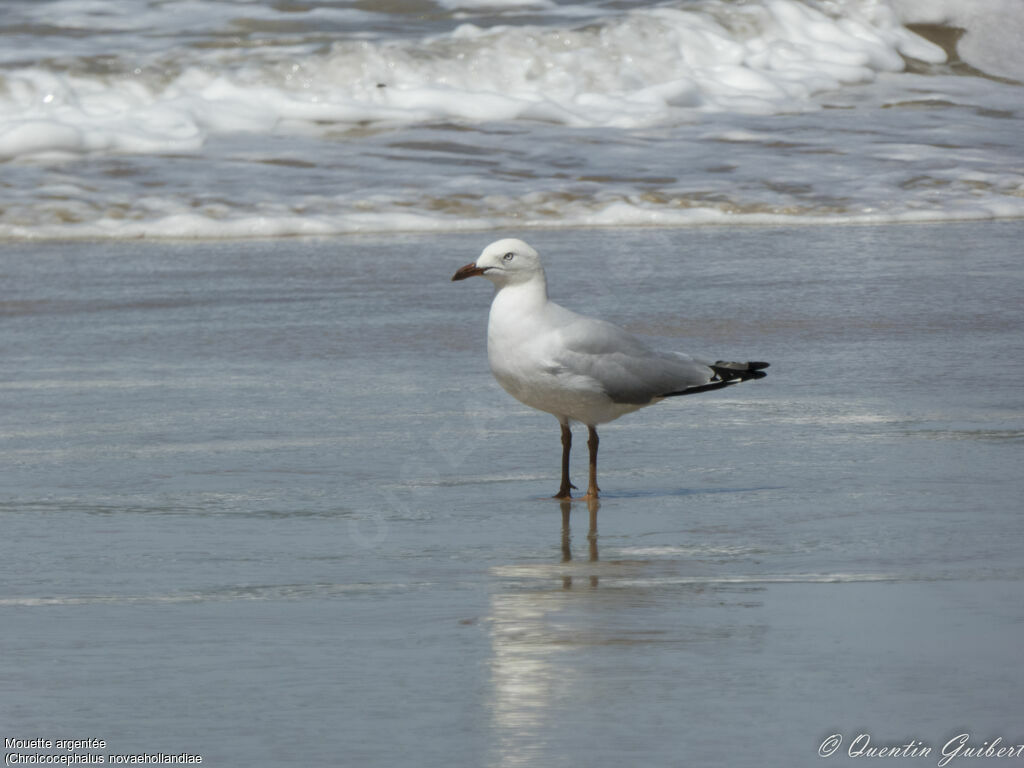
<point x="625" y="368"/>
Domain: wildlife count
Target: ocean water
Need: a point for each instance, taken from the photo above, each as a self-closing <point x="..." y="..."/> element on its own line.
<point x="225" y="119"/>
<point x="262" y="501"/>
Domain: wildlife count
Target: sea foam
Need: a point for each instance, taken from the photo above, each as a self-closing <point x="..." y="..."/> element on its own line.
<point x="237" y="119"/>
<point x="647" y="67"/>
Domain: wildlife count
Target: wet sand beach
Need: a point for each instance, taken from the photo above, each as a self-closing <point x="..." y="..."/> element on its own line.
<point x="263" y="502"/>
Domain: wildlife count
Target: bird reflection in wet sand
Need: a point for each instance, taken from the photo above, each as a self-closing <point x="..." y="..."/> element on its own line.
<point x="592" y="506"/>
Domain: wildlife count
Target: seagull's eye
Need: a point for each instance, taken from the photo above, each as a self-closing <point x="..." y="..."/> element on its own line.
<point x="508" y="256"/>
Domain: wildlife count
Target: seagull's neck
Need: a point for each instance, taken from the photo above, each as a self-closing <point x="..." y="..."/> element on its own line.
<point x="522" y="297"/>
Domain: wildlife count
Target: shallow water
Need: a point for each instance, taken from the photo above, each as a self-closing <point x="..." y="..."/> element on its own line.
<point x="263" y="502"/>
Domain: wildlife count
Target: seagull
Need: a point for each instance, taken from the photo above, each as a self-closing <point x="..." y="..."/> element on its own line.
<point x="575" y="367"/>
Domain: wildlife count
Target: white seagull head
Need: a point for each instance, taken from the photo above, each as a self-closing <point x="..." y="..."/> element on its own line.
<point x="504" y="262"/>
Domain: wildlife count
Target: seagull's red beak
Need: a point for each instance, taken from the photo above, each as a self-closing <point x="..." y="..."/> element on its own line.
<point x="468" y="271"/>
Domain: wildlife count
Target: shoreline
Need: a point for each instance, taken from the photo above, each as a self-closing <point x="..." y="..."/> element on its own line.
<point x="745" y="223"/>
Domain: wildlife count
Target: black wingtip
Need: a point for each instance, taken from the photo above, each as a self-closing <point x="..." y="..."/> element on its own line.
<point x="726" y="374"/>
<point x="742" y="371"/>
<point x="702" y="388"/>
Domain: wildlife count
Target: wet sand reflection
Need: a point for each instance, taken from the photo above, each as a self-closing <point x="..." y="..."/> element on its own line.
<point x="593" y="505"/>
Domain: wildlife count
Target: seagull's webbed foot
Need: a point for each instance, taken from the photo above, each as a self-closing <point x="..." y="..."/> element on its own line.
<point x="564" y="491"/>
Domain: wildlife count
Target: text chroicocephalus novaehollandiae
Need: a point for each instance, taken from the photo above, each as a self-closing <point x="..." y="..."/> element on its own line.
<point x="575" y="367"/>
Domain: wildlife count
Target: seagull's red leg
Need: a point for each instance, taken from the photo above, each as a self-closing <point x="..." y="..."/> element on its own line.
<point x="592" y="441"/>
<point x="563" y="489"/>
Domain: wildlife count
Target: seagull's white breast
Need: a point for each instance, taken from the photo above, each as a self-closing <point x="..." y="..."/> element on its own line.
<point x="525" y="348"/>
